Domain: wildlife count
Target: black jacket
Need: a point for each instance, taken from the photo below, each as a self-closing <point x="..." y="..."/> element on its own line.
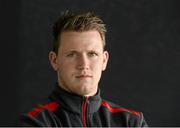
<point x="69" y="110"/>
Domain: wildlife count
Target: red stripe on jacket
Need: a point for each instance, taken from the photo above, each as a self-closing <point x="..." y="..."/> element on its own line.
<point x="52" y="106"/>
<point x="111" y="109"/>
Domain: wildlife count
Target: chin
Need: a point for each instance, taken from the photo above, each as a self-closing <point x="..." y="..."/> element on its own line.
<point x="88" y="92"/>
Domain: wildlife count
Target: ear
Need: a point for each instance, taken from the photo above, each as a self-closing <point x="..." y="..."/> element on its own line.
<point x="53" y="60"/>
<point x="105" y="60"/>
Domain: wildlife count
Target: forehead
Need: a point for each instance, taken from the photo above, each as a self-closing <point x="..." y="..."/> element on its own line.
<point x="81" y="40"/>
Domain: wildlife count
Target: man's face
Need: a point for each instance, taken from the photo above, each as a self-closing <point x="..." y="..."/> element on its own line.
<point x="80" y="61"/>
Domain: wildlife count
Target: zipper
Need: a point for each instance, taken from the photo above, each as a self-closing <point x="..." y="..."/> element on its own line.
<point x="84" y="111"/>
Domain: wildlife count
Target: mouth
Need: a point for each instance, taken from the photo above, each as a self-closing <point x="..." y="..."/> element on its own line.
<point x="83" y="76"/>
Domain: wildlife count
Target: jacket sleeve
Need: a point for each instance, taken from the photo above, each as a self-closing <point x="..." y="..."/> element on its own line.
<point x="26" y="121"/>
<point x="142" y="122"/>
<point x="43" y="119"/>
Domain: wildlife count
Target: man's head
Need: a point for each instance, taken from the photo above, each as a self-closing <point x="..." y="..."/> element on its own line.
<point x="78" y="54"/>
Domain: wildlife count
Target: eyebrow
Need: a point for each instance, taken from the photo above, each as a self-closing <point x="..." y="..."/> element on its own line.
<point x="75" y="51"/>
<point x="71" y="51"/>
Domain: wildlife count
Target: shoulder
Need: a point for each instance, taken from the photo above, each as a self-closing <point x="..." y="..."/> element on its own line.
<point x="40" y="114"/>
<point x="128" y="116"/>
<point x="115" y="108"/>
<point x="49" y="106"/>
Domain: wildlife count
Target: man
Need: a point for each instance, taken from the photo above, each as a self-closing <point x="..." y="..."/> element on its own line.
<point x="79" y="58"/>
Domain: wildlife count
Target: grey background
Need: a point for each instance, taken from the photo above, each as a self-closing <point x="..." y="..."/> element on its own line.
<point x="142" y="39"/>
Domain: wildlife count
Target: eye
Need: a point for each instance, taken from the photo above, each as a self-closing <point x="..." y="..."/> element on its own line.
<point x="92" y="54"/>
<point x="72" y="54"/>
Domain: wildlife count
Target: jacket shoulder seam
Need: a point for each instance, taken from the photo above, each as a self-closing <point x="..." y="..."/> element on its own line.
<point x="51" y="106"/>
<point x="118" y="109"/>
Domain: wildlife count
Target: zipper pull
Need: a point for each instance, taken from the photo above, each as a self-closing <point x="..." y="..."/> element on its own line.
<point x="87" y="100"/>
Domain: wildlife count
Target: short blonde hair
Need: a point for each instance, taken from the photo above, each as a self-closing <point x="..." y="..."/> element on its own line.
<point x="83" y="21"/>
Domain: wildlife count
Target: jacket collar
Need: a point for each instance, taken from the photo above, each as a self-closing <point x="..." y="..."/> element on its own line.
<point x="73" y="102"/>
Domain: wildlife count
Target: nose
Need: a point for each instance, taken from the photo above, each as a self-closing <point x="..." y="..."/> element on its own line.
<point x="83" y="62"/>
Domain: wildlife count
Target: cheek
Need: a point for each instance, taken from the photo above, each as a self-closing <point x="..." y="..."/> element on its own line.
<point x="66" y="68"/>
<point x="97" y="71"/>
<point x="65" y="64"/>
<point x="97" y="66"/>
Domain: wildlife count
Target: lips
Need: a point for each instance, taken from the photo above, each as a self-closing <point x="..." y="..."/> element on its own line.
<point x="83" y="76"/>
